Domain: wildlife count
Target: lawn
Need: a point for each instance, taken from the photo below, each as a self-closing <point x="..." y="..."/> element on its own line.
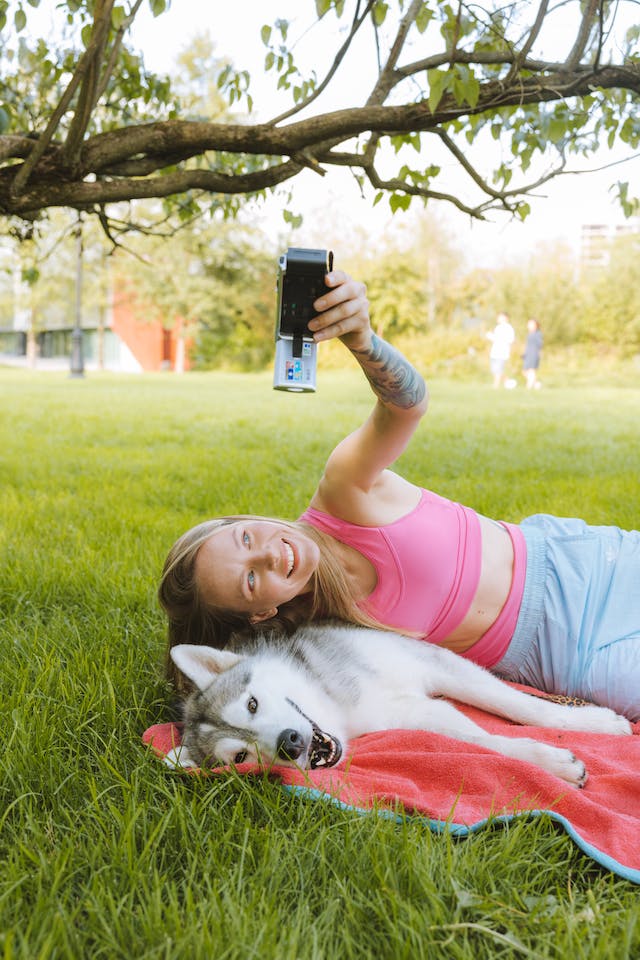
<point x="106" y="853"/>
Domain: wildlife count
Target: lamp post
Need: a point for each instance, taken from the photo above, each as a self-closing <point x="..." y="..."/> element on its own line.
<point x="77" y="361"/>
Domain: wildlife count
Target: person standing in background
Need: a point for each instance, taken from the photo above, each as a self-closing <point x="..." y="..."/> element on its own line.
<point x="531" y="355"/>
<point x="502" y="338"/>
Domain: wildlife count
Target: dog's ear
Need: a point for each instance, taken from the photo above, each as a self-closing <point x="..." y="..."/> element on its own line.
<point x="201" y="664"/>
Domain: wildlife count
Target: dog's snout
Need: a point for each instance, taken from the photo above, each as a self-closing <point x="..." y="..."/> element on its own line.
<point x="290" y="744"/>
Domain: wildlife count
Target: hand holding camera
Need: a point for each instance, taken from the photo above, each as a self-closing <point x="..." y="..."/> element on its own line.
<point x="309" y="310"/>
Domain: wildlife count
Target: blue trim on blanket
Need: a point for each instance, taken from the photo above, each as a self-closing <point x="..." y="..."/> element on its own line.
<point x="461" y="830"/>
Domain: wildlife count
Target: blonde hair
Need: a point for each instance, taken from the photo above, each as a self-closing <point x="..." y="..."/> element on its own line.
<point x="191" y="620"/>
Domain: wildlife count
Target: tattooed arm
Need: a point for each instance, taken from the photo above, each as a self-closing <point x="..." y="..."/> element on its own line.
<point x="357" y="465"/>
<point x="393" y="380"/>
<point x="345" y="314"/>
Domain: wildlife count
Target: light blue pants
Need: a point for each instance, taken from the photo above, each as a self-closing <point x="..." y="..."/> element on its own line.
<point x="578" y="631"/>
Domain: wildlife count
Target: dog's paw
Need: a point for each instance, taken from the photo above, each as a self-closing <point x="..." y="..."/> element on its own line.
<point x="563" y="764"/>
<point x="178" y="759"/>
<point x="602" y="720"/>
<point x="570" y="769"/>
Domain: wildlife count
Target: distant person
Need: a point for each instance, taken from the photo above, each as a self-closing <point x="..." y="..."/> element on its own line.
<point x="502" y="338"/>
<point x="531" y="355"/>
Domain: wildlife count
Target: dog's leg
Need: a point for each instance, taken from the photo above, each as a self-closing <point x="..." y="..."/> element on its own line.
<point x="438" y="716"/>
<point x="467" y="682"/>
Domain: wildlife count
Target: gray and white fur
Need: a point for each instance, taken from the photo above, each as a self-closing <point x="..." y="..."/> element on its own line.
<point x="299" y="700"/>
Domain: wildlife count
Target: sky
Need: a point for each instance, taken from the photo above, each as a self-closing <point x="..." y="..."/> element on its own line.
<point x="333" y="203"/>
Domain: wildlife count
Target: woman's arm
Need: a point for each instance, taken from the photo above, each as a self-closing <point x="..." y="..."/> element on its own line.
<point x="358" y="461"/>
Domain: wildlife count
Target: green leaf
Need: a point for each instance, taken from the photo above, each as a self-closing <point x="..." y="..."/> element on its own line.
<point x="556" y="130"/>
<point x="399" y="201"/>
<point x="379" y="12"/>
<point x="118" y="16"/>
<point x="19" y="20"/>
<point x="265" y="34"/>
<point x="424" y="17"/>
<point x="438" y="83"/>
<point x="158" y="7"/>
<point x="465" y="86"/>
<point x="30" y="275"/>
<point x="293" y="219"/>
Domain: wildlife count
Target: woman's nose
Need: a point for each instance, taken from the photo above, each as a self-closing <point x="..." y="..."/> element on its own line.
<point x="269" y="558"/>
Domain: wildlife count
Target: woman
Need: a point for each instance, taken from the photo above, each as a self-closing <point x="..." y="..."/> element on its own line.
<point x="531" y="355"/>
<point x="550" y="602"/>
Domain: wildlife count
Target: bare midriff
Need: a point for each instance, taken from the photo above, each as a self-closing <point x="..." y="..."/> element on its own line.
<point x="496" y="574"/>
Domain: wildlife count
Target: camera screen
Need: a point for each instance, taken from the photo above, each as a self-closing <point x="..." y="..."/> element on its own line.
<point x="300" y="283"/>
<point x="298" y="295"/>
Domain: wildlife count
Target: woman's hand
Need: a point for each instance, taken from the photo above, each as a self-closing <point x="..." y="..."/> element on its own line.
<point x="343" y="312"/>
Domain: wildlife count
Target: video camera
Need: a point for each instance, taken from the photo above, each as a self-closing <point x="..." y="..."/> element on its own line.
<point x="301" y="274"/>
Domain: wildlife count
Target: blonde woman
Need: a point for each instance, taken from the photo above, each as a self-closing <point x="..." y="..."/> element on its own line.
<point x="550" y="602"/>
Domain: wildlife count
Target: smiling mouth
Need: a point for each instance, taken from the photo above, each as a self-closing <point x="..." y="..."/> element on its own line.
<point x="325" y="750"/>
<point x="291" y="558"/>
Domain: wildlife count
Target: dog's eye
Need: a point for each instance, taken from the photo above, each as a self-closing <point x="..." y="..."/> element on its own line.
<point x="240" y="756"/>
<point x="252" y="705"/>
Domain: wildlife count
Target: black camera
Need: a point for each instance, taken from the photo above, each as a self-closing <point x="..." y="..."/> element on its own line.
<point x="301" y="274"/>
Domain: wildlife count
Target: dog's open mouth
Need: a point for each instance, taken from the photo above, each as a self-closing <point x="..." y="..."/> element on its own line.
<point x="325" y="750"/>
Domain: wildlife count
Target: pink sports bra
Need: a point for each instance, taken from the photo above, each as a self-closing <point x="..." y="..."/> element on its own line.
<point x="428" y="568"/>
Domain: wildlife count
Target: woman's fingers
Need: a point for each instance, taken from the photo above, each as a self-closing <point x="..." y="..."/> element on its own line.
<point x="343" y="309"/>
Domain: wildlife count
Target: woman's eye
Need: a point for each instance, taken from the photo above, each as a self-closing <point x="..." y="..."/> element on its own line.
<point x="252" y="705"/>
<point x="251" y="580"/>
<point x="240" y="757"/>
<point x="245" y="538"/>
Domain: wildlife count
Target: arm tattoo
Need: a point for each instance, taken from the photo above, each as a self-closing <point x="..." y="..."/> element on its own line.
<point x="391" y="376"/>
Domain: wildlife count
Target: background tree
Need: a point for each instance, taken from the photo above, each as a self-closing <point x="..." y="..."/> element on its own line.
<point x="444" y="80"/>
<point x="213" y="281"/>
<point x="410" y="276"/>
<point x="611" y="301"/>
<point x="38" y="274"/>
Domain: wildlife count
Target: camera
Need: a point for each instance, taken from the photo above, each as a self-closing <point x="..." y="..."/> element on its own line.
<point x="301" y="274"/>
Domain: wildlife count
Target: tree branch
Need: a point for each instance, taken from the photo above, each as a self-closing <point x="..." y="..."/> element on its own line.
<point x="482" y="183"/>
<point x="358" y="20"/>
<point x="520" y="57"/>
<point x="586" y="25"/>
<point x="89" y="83"/>
<point x="39" y="148"/>
<point x="86" y="194"/>
<point x="386" y="81"/>
<point x="116" y="46"/>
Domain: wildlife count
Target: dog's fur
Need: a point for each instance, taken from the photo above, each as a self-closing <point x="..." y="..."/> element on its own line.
<point x="298" y="701"/>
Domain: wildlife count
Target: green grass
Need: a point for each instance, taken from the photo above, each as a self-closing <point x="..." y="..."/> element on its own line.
<point x="105" y="852"/>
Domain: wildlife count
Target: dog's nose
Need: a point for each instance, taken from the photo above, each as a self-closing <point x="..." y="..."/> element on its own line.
<point x="290" y="744"/>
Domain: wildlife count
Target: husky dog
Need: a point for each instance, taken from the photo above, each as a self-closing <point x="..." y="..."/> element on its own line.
<point x="298" y="700"/>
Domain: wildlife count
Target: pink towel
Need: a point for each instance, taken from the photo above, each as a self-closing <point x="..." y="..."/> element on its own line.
<point x="458" y="786"/>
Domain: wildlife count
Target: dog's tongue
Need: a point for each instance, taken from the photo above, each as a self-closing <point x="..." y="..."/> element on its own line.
<point x="325" y="749"/>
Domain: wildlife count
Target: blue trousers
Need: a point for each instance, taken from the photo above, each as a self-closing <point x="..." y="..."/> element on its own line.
<point x="578" y="630"/>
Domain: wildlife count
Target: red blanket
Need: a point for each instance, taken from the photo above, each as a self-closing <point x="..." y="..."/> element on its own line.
<point x="459" y="786"/>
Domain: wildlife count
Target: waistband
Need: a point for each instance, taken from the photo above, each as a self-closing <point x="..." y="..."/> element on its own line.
<point x="531" y="607"/>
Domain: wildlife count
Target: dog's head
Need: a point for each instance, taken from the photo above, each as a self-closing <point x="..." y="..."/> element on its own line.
<point x="240" y="713"/>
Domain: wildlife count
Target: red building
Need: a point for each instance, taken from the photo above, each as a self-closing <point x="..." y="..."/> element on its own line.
<point x="151" y="345"/>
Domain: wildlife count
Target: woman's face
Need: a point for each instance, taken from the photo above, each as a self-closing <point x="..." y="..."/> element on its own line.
<point x="250" y="567"/>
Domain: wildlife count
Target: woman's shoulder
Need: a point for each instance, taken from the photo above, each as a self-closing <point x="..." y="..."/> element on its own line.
<point x="388" y="499"/>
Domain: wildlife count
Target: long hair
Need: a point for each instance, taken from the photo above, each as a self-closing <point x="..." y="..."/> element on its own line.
<point x="191" y="620"/>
